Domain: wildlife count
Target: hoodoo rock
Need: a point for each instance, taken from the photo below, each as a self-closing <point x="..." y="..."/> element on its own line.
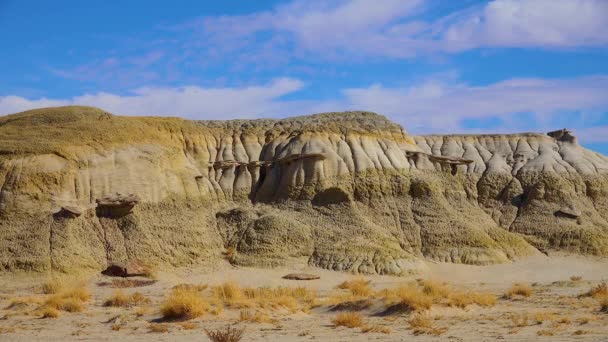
<point x="347" y="191"/>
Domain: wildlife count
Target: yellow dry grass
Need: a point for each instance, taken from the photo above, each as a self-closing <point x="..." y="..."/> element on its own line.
<point x="463" y="299"/>
<point x="519" y="289"/>
<point x="49" y="312"/>
<point x="53" y="286"/>
<point x="184" y="304"/>
<point x="292" y="299"/>
<point x="120" y="299"/>
<point x="422" y="324"/>
<point x="407" y="297"/>
<point x="357" y="286"/>
<point x="603" y="304"/>
<point x="348" y="319"/>
<point x="255" y="317"/>
<point x="70" y="299"/>
<point x="543" y="316"/>
<point x="598" y="291"/>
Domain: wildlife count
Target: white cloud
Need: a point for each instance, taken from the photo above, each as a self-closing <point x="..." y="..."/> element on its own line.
<point x="394" y="29"/>
<point x="191" y="101"/>
<point x="440" y="106"/>
<point x="530" y="23"/>
<point x="436" y="105"/>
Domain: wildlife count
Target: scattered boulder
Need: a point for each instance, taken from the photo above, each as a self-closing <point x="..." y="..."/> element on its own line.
<point x="569" y="212"/>
<point x="131" y="268"/>
<point x="301" y="276"/>
<point x="116" y="205"/>
<point x="68" y="212"/>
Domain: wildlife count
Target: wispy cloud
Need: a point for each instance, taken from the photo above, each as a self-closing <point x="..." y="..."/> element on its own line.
<point x="190" y="101"/>
<point x="437" y="105"/>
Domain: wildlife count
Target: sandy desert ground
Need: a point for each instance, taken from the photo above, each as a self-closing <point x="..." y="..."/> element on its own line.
<point x="556" y="309"/>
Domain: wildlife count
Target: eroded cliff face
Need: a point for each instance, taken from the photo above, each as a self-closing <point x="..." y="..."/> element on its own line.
<point x="350" y="191"/>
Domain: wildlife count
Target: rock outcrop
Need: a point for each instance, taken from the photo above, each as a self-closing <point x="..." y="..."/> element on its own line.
<point x="82" y="189"/>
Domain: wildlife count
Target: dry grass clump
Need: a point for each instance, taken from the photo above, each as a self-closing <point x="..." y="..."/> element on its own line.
<point x="70" y="299"/>
<point x="229" y="293"/>
<point x="358" y="287"/>
<point x="227" y="334"/>
<point x="545" y="332"/>
<point x="53" y="286"/>
<point x="290" y="298"/>
<point x="184" y="304"/>
<point x="375" y="329"/>
<point x="464" y="299"/>
<point x="49" y="312"/>
<point x="348" y="319"/>
<point x="540" y="317"/>
<point x="604" y="304"/>
<point x="158" y="328"/>
<point x="407" y="298"/>
<point x="422" y="324"/>
<point x="576" y="278"/>
<point x="255" y="317"/>
<point x="435" y="289"/>
<point x="599" y="291"/>
<point x="519" y="289"/>
<point x="120" y="299"/>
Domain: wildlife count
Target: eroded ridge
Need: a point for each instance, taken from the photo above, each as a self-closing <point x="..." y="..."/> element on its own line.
<point x="349" y="191"/>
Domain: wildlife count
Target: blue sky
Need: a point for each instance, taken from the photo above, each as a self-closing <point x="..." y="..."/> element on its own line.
<point x="433" y="66"/>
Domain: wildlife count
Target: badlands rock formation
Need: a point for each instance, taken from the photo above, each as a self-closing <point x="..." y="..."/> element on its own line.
<point x="80" y="188"/>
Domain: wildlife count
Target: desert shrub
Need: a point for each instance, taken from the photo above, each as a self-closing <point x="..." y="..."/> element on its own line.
<point x="540" y="317"/>
<point x="348" y="319"/>
<point x="422" y="324"/>
<point x="183" y="304"/>
<point x="53" y="286"/>
<point x="464" y="299"/>
<point x="435" y="289"/>
<point x="576" y="278"/>
<point x="227" y="334"/>
<point x="407" y="298"/>
<point x="519" y="289"/>
<point x="598" y="291"/>
<point x="255" y="317"/>
<point x="229" y="293"/>
<point x="49" y="312"/>
<point x="70" y="299"/>
<point x="120" y="299"/>
<point x="358" y="287"/>
<point x="604" y="304"/>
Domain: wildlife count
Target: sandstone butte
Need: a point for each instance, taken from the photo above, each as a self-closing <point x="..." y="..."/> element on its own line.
<point x="352" y="191"/>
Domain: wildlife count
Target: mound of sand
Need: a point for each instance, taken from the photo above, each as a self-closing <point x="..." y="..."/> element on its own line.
<point x="81" y="188"/>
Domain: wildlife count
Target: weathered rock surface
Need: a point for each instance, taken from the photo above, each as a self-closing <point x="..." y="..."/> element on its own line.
<point x="350" y="191"/>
